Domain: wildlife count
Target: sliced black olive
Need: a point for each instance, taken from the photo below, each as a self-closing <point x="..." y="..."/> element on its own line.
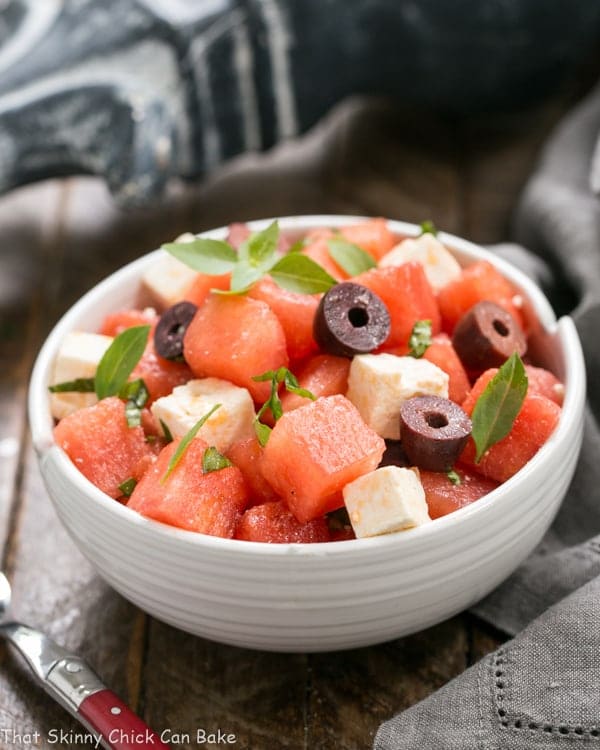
<point x="486" y="336"/>
<point x="170" y="330"/>
<point x="433" y="431"/>
<point x="351" y="319"/>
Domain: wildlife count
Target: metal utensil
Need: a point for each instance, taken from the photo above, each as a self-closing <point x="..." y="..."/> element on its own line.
<point x="73" y="684"/>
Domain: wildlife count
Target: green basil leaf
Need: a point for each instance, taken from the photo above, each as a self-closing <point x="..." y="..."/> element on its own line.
<point x="128" y="486"/>
<point x="352" y="258"/>
<point x="166" y="431"/>
<point x="119" y="360"/>
<point x="185" y="441"/>
<point x="212" y="460"/>
<point x="136" y="395"/>
<point x="263" y="432"/>
<point x="298" y="246"/>
<point x="260" y="248"/>
<point x="497" y="407"/>
<point x="420" y="338"/>
<point x="293" y="386"/>
<point x="213" y="257"/>
<point x="428" y="227"/>
<point x="299" y="273"/>
<point x="243" y="276"/>
<point x="454" y="477"/>
<point x="80" y="385"/>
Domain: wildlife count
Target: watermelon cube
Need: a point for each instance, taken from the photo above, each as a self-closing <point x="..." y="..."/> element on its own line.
<point x="159" y="374"/>
<point x="103" y="447"/>
<point x="545" y="383"/>
<point x="115" y="323"/>
<point x="294" y="311"/>
<point x="276" y="524"/>
<point x="200" y="288"/>
<point x="444" y="497"/>
<point x="322" y="375"/>
<point x="315" y="450"/>
<point x="207" y="503"/>
<point x="479" y="281"/>
<point x="234" y="338"/>
<point x="246" y="455"/>
<point x="374" y="236"/>
<point x="533" y="425"/>
<point x="317" y="249"/>
<point x="408" y="297"/>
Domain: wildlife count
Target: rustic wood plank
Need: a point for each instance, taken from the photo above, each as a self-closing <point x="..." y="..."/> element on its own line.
<point x="352" y="692"/>
<point x="192" y="684"/>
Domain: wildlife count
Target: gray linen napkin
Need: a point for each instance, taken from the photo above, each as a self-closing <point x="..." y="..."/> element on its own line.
<point x="542" y="689"/>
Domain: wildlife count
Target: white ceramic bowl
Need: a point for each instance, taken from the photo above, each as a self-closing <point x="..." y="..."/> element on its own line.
<point x="314" y="597"/>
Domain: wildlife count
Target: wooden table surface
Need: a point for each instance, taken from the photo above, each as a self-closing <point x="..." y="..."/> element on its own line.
<point x="59" y="238"/>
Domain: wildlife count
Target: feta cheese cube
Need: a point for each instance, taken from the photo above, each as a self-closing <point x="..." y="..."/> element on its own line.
<point x="385" y="500"/>
<point x="439" y="264"/>
<point x="379" y="383"/>
<point x="78" y="357"/>
<point x="232" y="421"/>
<point x="168" y="279"/>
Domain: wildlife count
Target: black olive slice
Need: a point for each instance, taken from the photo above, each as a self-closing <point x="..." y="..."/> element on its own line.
<point x="486" y="336"/>
<point x="351" y="319"/>
<point x="433" y="431"/>
<point x="171" y="328"/>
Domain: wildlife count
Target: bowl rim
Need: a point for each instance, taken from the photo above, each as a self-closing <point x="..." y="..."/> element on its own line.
<point x="564" y="330"/>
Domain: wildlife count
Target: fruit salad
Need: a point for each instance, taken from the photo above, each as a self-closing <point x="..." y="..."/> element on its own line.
<point x="325" y="387"/>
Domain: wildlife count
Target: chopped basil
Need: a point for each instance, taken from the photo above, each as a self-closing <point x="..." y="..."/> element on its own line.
<point x="285" y="376"/>
<point x="454" y="477"/>
<point x="185" y="441"/>
<point x="135" y="394"/>
<point x="420" y="338"/>
<point x="80" y="385"/>
<point x="128" y="486"/>
<point x="212" y="460"/>
<point x="118" y="361"/>
<point x="497" y="407"/>
<point x="352" y="258"/>
<point x="166" y="431"/>
<point x="428" y="227"/>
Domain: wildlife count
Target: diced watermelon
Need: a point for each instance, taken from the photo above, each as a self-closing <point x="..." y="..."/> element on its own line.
<point x="318" y="250"/>
<point x="246" y="455"/>
<point x="479" y="281"/>
<point x="238" y="232"/>
<point x="444" y="497"/>
<point x="322" y="375"/>
<point x="545" y="383"/>
<point x="208" y="503"/>
<point x="374" y="236"/>
<point x="441" y="353"/>
<point x="115" y="323"/>
<point x="315" y="450"/>
<point x="294" y="311"/>
<point x="159" y="374"/>
<point x="234" y="338"/>
<point x="532" y="427"/>
<point x="200" y="287"/>
<point x="408" y="297"/>
<point x="275" y="523"/>
<point x="102" y="446"/>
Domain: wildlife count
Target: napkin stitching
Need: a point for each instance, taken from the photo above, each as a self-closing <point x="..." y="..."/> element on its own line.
<point x="563" y="729"/>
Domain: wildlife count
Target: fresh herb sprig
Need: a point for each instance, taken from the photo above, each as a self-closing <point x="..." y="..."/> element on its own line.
<point x="185" y="441"/>
<point x="257" y="256"/>
<point x="420" y="338"/>
<point x="454" y="477"/>
<point x="135" y="394"/>
<point x="128" y="486"/>
<point x="428" y="227"/>
<point x="213" y="460"/>
<point x="350" y="257"/>
<point x="497" y="408"/>
<point x="276" y="377"/>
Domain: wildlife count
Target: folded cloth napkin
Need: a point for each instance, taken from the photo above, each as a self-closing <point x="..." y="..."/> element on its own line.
<point x="542" y="689"/>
